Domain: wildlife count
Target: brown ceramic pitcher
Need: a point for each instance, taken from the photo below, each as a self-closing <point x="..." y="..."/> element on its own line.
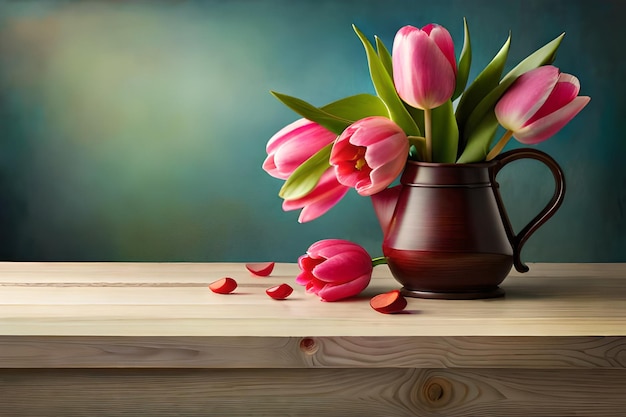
<point x="448" y="234"/>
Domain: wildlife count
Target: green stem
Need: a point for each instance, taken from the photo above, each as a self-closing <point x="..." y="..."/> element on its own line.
<point x="428" y="127"/>
<point x="500" y="145"/>
<point x="381" y="260"/>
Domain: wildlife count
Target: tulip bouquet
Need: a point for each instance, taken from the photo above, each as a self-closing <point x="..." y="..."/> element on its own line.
<point x="423" y="110"/>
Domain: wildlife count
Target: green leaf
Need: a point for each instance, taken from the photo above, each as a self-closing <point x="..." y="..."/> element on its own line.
<point x="384" y="56"/>
<point x="543" y="56"/>
<point x="445" y="133"/>
<point x="385" y="89"/>
<point x="357" y="107"/>
<point x="338" y="115"/>
<point x="465" y="62"/>
<point x="417" y="148"/>
<point x="307" y="175"/>
<point x="484" y="83"/>
<point x="480" y="140"/>
<point x="309" y="111"/>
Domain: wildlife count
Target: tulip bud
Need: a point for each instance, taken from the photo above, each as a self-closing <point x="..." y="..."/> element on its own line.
<point x="539" y="103"/>
<point x="335" y="269"/>
<point x="294" y="144"/>
<point x="424" y="65"/>
<point x="370" y="154"/>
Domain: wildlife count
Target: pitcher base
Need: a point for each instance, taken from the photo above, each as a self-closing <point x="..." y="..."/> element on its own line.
<point x="465" y="295"/>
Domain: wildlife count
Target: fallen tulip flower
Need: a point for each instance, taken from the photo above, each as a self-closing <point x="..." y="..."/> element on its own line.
<point x="294" y="144"/>
<point x="261" y="269"/>
<point x="370" y="154"/>
<point x="223" y="286"/>
<point x="279" y="292"/>
<point x="335" y="269"/>
<point x="538" y="104"/>
<point x="389" y="303"/>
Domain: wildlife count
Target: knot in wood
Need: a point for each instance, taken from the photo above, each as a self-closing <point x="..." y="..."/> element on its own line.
<point x="434" y="392"/>
<point x="309" y="346"/>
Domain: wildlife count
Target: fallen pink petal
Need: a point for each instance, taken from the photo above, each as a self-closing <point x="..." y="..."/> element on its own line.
<point x="279" y="292"/>
<point x="224" y="285"/>
<point x="389" y="303"/>
<point x="261" y="269"/>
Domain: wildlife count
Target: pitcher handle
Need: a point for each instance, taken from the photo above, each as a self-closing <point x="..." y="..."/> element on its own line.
<point x="518" y="240"/>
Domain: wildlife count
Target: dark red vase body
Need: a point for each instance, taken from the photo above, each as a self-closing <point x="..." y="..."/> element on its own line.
<point x="450" y="237"/>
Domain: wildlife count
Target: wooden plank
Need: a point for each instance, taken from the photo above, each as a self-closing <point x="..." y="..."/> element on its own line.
<point x="110" y="299"/>
<point x="103" y="339"/>
<point x="327" y="392"/>
<point x="322" y="352"/>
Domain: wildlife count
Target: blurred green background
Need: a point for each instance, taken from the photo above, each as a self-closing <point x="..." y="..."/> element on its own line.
<point x="135" y="131"/>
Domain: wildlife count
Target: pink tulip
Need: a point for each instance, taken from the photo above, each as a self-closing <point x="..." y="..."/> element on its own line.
<point x="335" y="269"/>
<point x="318" y="201"/>
<point x="539" y="103"/>
<point x="424" y="66"/>
<point x="370" y="154"/>
<point x="294" y="144"/>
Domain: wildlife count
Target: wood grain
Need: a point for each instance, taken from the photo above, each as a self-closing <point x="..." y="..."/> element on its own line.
<point x="101" y="299"/>
<point x="326" y="392"/>
<point x="108" y="339"/>
<point x="318" y="352"/>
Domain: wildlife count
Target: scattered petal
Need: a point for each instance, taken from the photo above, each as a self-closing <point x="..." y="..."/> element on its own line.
<point x="279" y="292"/>
<point x="389" y="302"/>
<point x="261" y="269"/>
<point x="223" y="286"/>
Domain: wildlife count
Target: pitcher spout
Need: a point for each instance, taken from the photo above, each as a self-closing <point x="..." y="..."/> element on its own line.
<point x="384" y="204"/>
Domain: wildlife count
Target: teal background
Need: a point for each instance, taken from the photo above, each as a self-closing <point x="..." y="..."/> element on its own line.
<point x="135" y="131"/>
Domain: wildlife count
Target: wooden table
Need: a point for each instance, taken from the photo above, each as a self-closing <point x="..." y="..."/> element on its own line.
<point x="150" y="339"/>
